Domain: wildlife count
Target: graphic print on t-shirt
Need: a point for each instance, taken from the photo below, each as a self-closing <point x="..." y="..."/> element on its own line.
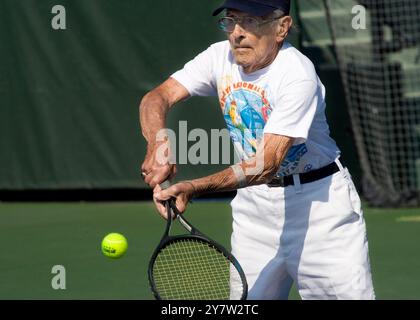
<point x="289" y="165"/>
<point x="246" y="110"/>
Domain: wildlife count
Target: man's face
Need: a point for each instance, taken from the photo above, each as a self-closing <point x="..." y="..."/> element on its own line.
<point x="254" y="49"/>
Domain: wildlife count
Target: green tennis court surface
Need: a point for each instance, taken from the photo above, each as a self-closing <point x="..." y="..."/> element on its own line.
<point x="36" y="237"/>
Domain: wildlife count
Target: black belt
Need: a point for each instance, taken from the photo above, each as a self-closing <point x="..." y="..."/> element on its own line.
<point x="306" y="177"/>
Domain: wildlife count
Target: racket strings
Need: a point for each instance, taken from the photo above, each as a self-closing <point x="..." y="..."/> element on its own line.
<point x="192" y="269"/>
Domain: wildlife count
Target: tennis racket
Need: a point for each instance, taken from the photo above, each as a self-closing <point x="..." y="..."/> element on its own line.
<point x="192" y="266"/>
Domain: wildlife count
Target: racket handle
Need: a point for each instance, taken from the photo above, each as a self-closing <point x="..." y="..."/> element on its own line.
<point x="165" y="185"/>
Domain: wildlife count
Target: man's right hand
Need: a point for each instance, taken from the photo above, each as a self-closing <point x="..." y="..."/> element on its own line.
<point x="156" y="167"/>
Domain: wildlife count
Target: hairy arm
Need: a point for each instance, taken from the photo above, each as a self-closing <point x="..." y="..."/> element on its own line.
<point x="155" y="105"/>
<point x="153" y="110"/>
<point x="260" y="169"/>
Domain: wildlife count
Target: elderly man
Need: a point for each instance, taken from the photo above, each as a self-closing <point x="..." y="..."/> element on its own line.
<point x="297" y="215"/>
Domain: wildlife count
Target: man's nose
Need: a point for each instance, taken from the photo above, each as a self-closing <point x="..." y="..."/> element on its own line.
<point x="238" y="32"/>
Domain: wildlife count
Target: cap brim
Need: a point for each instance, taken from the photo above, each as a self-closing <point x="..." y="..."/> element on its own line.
<point x="259" y="11"/>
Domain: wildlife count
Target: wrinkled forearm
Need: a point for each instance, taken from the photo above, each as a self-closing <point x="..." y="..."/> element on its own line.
<point x="153" y="110"/>
<point x="155" y="106"/>
<point x="258" y="170"/>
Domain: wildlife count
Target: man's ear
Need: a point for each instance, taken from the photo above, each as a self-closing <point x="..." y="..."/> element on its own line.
<point x="283" y="28"/>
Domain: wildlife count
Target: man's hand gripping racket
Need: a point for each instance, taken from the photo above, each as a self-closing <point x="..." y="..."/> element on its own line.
<point x="192" y="266"/>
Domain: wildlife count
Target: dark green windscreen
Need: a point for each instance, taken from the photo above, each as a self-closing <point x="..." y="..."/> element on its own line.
<point x="69" y="98"/>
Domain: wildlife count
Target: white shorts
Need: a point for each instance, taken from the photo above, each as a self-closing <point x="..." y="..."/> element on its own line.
<point x="312" y="234"/>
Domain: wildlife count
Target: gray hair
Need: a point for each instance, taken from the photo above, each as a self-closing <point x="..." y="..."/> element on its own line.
<point x="277" y="13"/>
<point x="280" y="13"/>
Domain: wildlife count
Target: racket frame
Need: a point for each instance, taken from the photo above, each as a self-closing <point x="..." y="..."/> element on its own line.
<point x="195" y="234"/>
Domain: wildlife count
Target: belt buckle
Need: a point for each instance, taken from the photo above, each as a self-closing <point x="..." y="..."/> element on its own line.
<point x="277" y="181"/>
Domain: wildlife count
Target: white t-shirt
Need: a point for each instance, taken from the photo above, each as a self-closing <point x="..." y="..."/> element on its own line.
<point x="285" y="98"/>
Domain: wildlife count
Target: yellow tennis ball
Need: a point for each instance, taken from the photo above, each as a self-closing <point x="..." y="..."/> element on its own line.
<point x="114" y="245"/>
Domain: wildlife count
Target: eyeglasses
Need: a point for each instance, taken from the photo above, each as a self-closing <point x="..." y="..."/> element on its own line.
<point x="227" y="24"/>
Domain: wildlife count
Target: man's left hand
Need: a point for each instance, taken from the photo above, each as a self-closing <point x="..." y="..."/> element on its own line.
<point x="182" y="193"/>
